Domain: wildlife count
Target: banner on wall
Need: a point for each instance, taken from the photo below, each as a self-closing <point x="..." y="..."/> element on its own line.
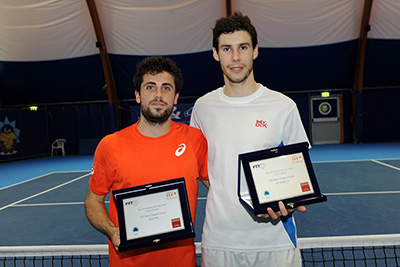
<point x="9" y="137"/>
<point x="23" y="134"/>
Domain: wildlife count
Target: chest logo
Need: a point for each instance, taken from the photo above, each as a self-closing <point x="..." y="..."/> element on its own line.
<point x="261" y="123"/>
<point x="180" y="150"/>
<point x="92" y="170"/>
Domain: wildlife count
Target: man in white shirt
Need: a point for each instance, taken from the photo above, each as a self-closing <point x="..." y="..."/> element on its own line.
<point x="243" y="116"/>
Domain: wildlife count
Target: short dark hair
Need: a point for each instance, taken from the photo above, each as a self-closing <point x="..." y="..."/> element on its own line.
<point x="236" y="22"/>
<point x="154" y="65"/>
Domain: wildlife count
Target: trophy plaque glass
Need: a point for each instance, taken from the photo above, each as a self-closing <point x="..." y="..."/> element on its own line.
<point x="153" y="214"/>
<point x="279" y="174"/>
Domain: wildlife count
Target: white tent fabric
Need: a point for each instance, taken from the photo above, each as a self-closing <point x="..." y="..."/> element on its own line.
<point x="385" y="19"/>
<point x="33" y="30"/>
<point x="57" y="29"/>
<point x="293" y="23"/>
<point x="158" y="27"/>
<point x="52" y="31"/>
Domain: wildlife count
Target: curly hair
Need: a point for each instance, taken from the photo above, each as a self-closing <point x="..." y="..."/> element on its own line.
<point x="154" y="65"/>
<point x="236" y="22"/>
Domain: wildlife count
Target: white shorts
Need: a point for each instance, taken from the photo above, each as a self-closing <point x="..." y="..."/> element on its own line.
<point x="222" y="258"/>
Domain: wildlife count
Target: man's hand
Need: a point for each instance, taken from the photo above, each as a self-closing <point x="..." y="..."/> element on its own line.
<point x="115" y="238"/>
<point x="282" y="211"/>
<point x="98" y="216"/>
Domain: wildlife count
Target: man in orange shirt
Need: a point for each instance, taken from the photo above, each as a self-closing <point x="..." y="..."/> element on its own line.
<point x="153" y="149"/>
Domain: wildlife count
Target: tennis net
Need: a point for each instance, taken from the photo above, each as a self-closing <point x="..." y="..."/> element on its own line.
<point x="71" y="255"/>
<point x="369" y="250"/>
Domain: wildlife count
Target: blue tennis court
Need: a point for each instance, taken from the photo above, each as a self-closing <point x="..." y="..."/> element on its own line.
<point x="41" y="199"/>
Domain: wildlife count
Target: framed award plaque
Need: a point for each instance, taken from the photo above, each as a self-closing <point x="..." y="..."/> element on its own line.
<point x="279" y="174"/>
<point x="153" y="214"/>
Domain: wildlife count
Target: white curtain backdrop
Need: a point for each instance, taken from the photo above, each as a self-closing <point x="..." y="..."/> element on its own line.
<point x="36" y="30"/>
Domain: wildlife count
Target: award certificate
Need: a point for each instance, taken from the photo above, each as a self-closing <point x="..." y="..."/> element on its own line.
<point x="153" y="214"/>
<point x="278" y="174"/>
<point x="281" y="178"/>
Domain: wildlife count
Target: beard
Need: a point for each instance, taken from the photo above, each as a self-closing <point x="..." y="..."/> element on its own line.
<point x="156" y="117"/>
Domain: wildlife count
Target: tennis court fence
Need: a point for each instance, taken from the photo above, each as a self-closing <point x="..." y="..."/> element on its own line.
<point x="369" y="250"/>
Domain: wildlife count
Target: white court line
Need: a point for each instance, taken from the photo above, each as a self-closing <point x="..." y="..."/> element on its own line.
<point x="365" y="193"/>
<point x="199" y="198"/>
<point x="48" y="204"/>
<point x="362" y="193"/>
<point x="32" y="179"/>
<point x="53" y="204"/>
<point x="387" y="165"/>
<point x="38" y="177"/>
<point x="44" y="192"/>
<point x="349" y="160"/>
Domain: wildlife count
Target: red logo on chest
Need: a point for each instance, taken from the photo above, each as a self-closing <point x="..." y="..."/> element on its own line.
<point x="261" y="123"/>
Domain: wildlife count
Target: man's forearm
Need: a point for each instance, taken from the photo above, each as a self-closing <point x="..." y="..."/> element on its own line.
<point x="98" y="216"/>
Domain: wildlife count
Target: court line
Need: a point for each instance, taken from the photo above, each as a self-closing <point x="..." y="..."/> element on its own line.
<point x="38" y="177"/>
<point x="349" y="160"/>
<point x="387" y="165"/>
<point x="205" y="198"/>
<point x="48" y="204"/>
<point x="53" y="204"/>
<point x="69" y="203"/>
<point x="44" y="192"/>
<point x="362" y="193"/>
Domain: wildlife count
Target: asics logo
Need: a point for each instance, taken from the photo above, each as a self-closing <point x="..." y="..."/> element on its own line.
<point x="180" y="150"/>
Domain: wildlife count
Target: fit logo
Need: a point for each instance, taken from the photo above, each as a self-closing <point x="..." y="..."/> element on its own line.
<point x="259" y="166"/>
<point x="256" y="166"/>
<point x="180" y="150"/>
<point x="261" y="123"/>
<point x="132" y="203"/>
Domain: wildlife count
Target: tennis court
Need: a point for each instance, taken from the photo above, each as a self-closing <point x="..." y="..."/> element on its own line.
<point x="41" y="204"/>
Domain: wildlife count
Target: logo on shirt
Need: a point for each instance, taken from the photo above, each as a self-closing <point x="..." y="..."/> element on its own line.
<point x="261" y="123"/>
<point x="92" y="170"/>
<point x="180" y="150"/>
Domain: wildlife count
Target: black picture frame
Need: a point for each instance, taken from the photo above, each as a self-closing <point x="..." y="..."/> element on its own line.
<point x="246" y="185"/>
<point x="132" y="194"/>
